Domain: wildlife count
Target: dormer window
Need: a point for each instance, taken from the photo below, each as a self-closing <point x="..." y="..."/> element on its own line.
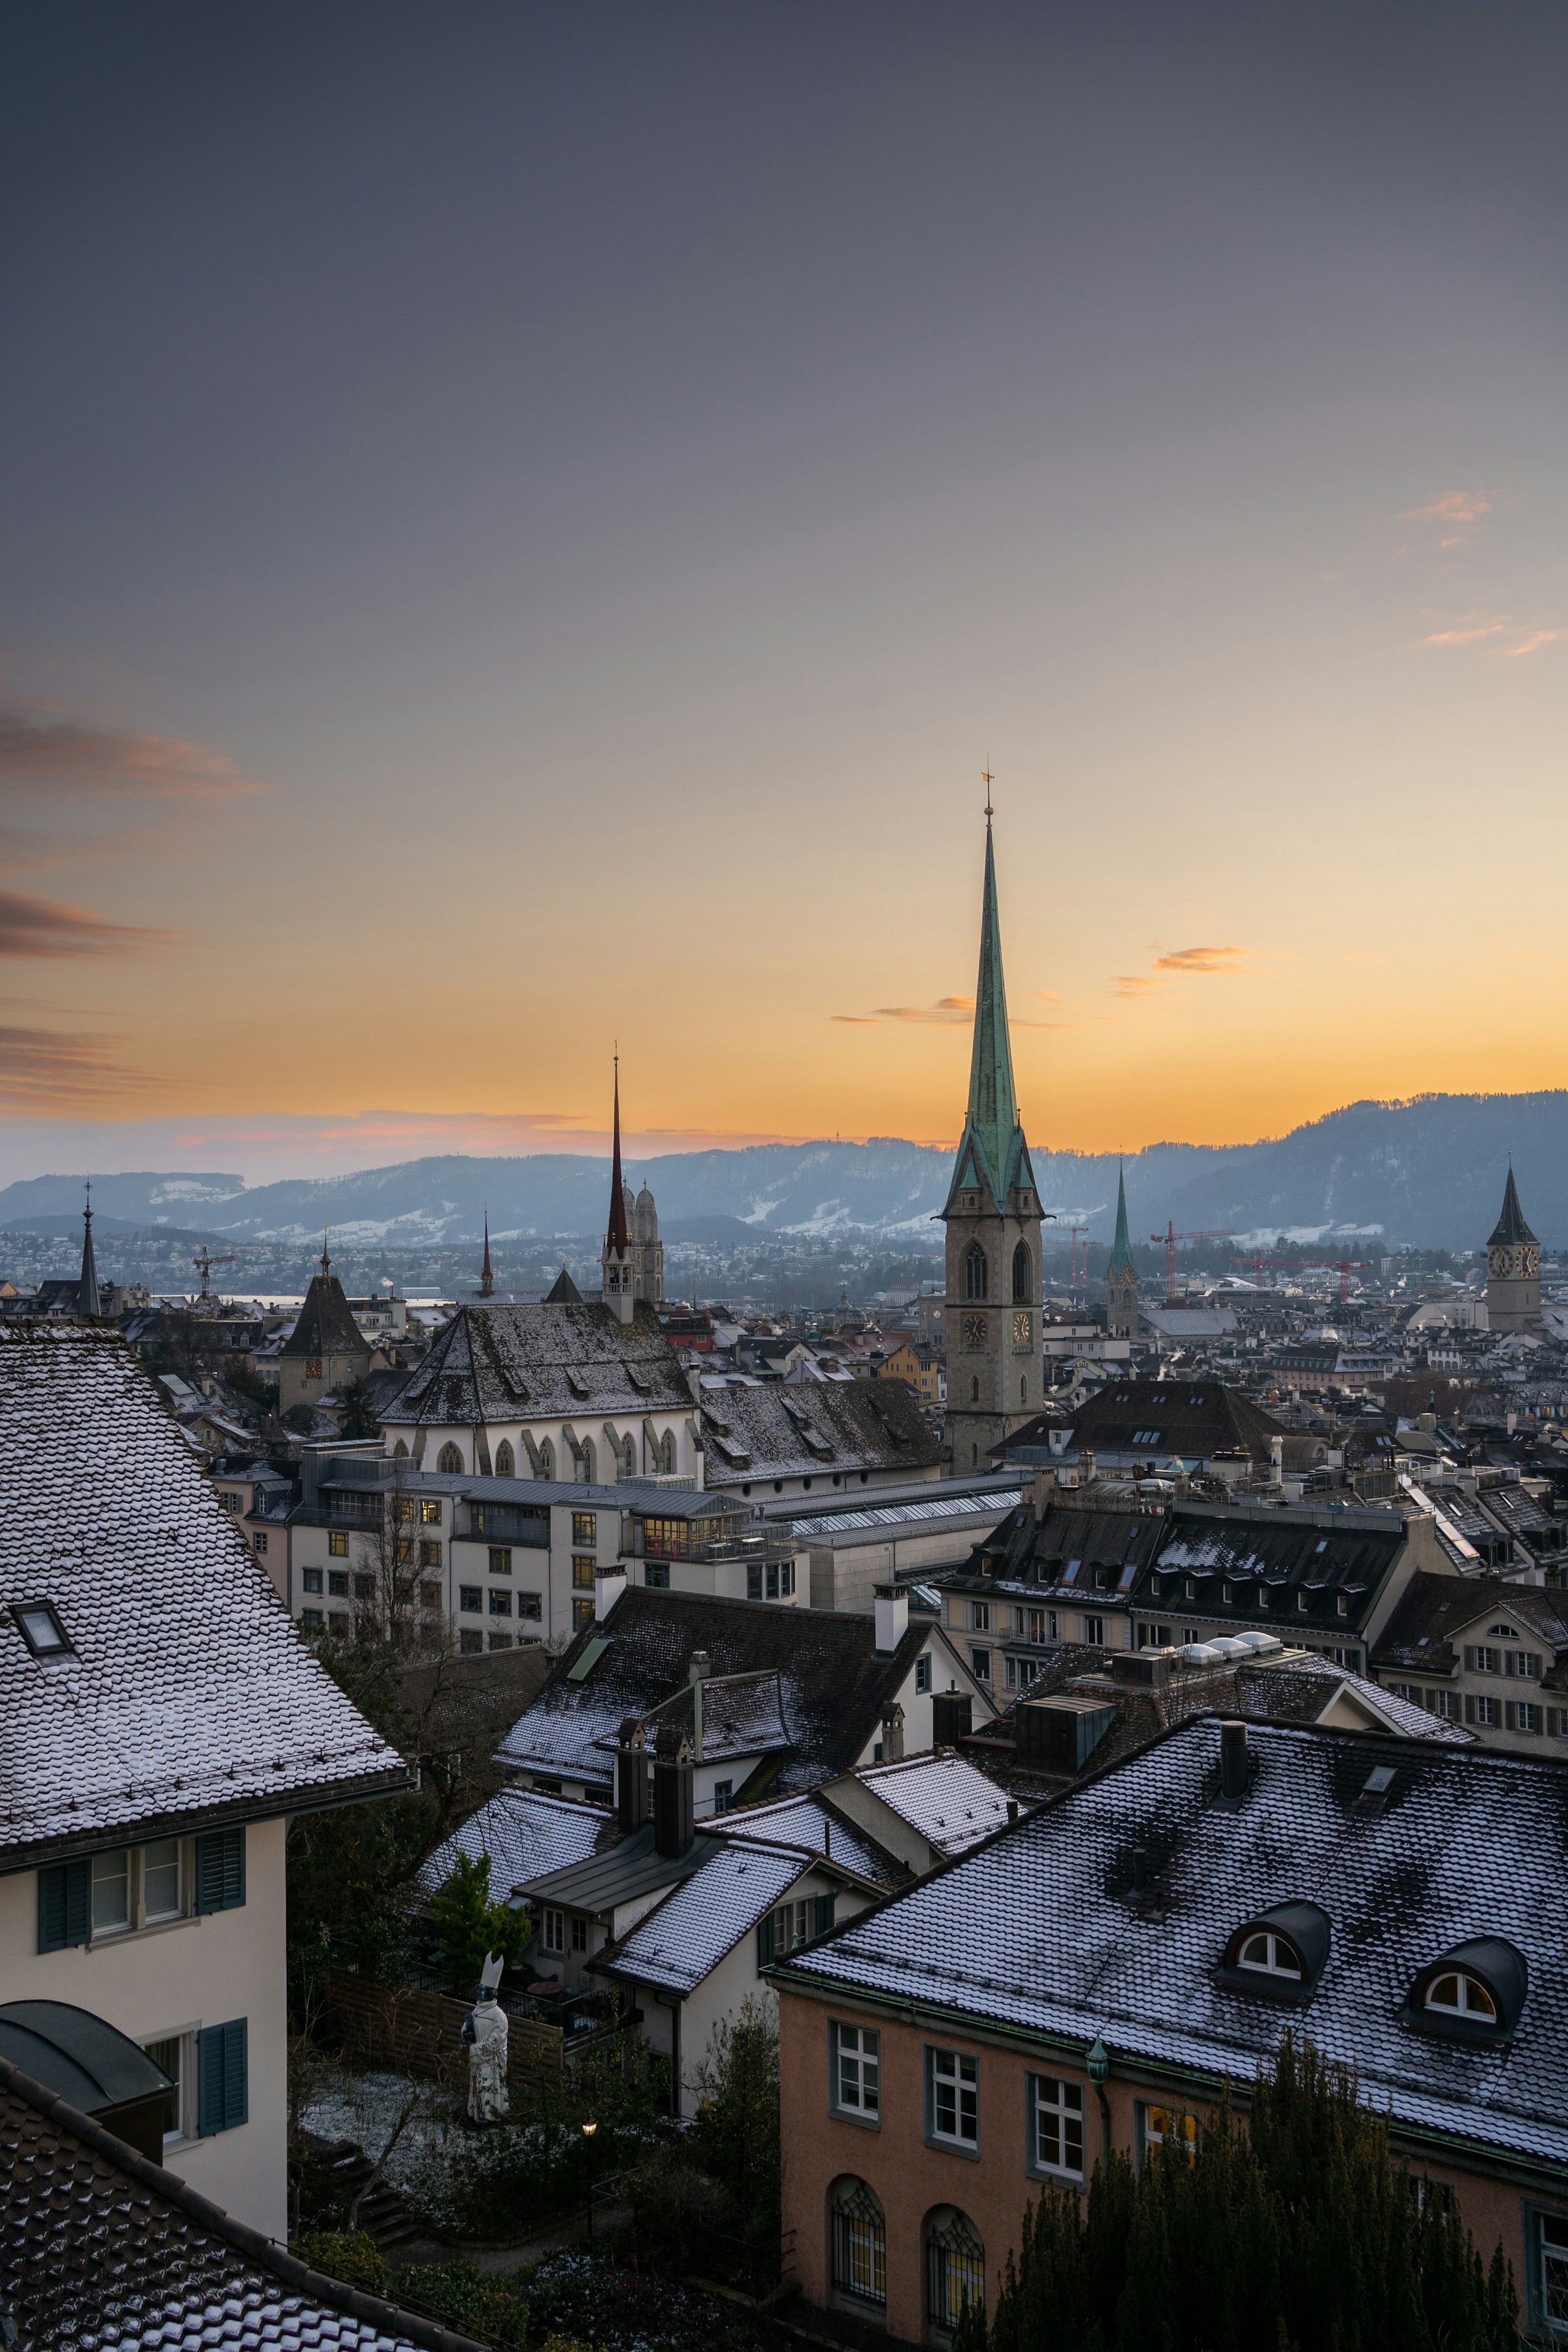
<point x="41" y="1630"/>
<point x="1280" y="1953"/>
<point x="1473" y="1992"/>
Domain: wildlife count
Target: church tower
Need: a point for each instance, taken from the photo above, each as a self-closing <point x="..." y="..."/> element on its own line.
<point x="648" y="1250"/>
<point x="1122" y="1275"/>
<point x="1514" y="1267"/>
<point x="993" y="1218"/>
<point x="619" y="1290"/>
<point x="87" y="1300"/>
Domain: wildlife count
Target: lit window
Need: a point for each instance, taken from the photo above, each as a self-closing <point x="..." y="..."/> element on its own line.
<point x="500" y="1560"/>
<point x="1458" y="1995"/>
<point x="430" y="1510"/>
<point x="430" y="1555"/>
<point x="583" y="1574"/>
<point x="1273" y="1956"/>
<point x="337" y="1544"/>
<point x="584" y="1527"/>
<point x="581" y="1611"/>
<point x="857" y="2069"/>
<point x="1163" y="2127"/>
<point x="955" y="2269"/>
<point x="953" y="2098"/>
<point x="1058" y="2136"/>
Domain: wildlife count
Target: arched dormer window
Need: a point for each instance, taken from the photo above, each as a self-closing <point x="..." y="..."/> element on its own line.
<point x="1279" y="1954"/>
<point x="450" y="1460"/>
<point x="1023" y="1274"/>
<point x="975" y="1275"/>
<point x="506" y="1460"/>
<point x="1472" y="1992"/>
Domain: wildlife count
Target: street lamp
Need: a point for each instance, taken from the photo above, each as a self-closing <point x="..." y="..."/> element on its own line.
<point x="588" y="2131"/>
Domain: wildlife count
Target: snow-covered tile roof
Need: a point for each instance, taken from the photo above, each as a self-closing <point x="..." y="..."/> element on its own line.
<point x="108" y="2253"/>
<point x="500" y="1363"/>
<point x="525" y="1835"/>
<point x="187" y="1692"/>
<point x="1038" y="1929"/>
<point x="943" y="1797"/>
<point x="809" y="1823"/>
<point x="707" y="1916"/>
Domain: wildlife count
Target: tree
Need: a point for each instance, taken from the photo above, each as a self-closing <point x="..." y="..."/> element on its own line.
<point x="735" y="2137"/>
<point x="1302" y="2232"/>
<point x="466" y="1924"/>
<point x="358" y="1413"/>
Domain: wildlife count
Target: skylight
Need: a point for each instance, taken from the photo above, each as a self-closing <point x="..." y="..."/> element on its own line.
<point x="41" y="1630"/>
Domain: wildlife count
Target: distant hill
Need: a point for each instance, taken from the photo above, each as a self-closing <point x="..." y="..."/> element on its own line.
<point x="1429" y="1173"/>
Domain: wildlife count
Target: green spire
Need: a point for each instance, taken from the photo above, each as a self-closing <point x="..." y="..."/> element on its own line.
<point x="1122" y="1247"/>
<point x="992" y="1100"/>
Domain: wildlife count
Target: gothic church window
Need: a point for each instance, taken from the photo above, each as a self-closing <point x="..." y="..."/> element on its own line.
<point x="450" y="1460"/>
<point x="1023" y="1274"/>
<point x="547" y="1460"/>
<point x="974" y="1272"/>
<point x="506" y="1460"/>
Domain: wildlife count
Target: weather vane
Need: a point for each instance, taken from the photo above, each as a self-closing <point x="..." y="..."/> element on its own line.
<point x="987" y="779"/>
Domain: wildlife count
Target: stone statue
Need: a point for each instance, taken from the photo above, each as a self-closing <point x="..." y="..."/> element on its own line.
<point x="485" y="2032"/>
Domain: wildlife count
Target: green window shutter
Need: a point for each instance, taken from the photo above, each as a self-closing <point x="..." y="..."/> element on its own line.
<point x="220" y="1870"/>
<point x="765" y="1941"/>
<point x="64" y="1905"/>
<point x="223" y="2085"/>
<point x="822" y="1914"/>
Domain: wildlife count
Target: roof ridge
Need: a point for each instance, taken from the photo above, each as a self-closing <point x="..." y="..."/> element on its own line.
<point x="263" y="2251"/>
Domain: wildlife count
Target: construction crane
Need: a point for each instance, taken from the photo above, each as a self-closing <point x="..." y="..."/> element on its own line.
<point x="1171" y="1237"/>
<point x="1345" y="1267"/>
<point x="1257" y="1265"/>
<point x="205" y="1260"/>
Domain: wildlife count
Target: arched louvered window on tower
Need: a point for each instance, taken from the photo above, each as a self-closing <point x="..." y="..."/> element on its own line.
<point x="1023" y="1274"/>
<point x="974" y="1272"/>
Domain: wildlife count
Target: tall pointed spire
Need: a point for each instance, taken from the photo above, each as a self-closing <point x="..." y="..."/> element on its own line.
<point x="1122" y="1247"/>
<point x="1511" y="1227"/>
<point x="86" y="1296"/>
<point x="992" y="1098"/>
<point x="487" y="1279"/>
<point x="615" y="1236"/>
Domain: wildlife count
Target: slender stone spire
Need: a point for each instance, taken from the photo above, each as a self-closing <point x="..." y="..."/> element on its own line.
<point x="616" y="1237"/>
<point x="87" y="1298"/>
<point x="487" y="1279"/>
<point x="1122" y="1247"/>
<point x="993" y="1156"/>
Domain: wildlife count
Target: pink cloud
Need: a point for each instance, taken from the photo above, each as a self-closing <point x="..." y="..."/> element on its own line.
<point x="1533" y="643"/>
<point x="40" y="926"/>
<point x="1451" y="505"/>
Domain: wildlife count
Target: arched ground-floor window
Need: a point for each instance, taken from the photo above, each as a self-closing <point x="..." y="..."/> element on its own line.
<point x="955" y="2265"/>
<point x="860" y="2241"/>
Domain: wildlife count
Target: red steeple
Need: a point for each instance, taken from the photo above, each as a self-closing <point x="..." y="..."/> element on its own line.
<point x="615" y="1238"/>
<point x="487" y="1279"/>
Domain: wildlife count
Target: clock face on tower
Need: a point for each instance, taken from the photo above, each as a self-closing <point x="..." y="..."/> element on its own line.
<point x="1021" y="1327"/>
<point x="1531" y="1264"/>
<point x="973" y="1328"/>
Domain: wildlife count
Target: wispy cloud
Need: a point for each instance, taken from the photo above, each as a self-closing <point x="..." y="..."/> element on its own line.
<point x="1180" y="963"/>
<point x="1476" y="629"/>
<point x="41" y="752"/>
<point x="1453" y="509"/>
<point x="1049" y="995"/>
<point x="946" y="1011"/>
<point x="1533" y="644"/>
<point x="40" y="926"/>
<point x="60" y="1069"/>
<point x="1473" y="633"/>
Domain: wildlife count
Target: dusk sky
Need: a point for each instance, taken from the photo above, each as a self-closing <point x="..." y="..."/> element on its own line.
<point x="522" y="528"/>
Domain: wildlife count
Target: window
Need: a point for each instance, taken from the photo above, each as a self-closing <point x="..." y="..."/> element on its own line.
<point x="310" y="1580"/>
<point x="723" y="1795"/>
<point x="581" y="1611"/>
<point x="953" y="2098"/>
<point x="449" y="1461"/>
<point x="171" y="2056"/>
<point x="547" y="1460"/>
<point x="1094" y="1631"/>
<point x="979" y="1665"/>
<point x="312" y="1619"/>
<point x="792" y="1927"/>
<point x="470" y="1599"/>
<point x="1037" y="1626"/>
<point x="1458" y="1995"/>
<point x="1165" y="2128"/>
<point x="404" y="1551"/>
<point x="1550" y="2232"/>
<point x="1483" y="1710"/>
<point x="553" y="1934"/>
<point x="922" y="1674"/>
<point x="1271" y="1954"/>
<point x="506" y="1460"/>
<point x="857" y="2060"/>
<point x="770" y="1580"/>
<point x="583" y="1574"/>
<point x="364" y="1588"/>
<point x="469" y="1641"/>
<point x="430" y="1506"/>
<point x="429" y="1596"/>
<point x="40" y="1628"/>
<point x="1527" y="1716"/>
<point x="955" y="2267"/>
<point x="430" y="1554"/>
<point x="974" y="1272"/>
<point x="259" y="1540"/>
<point x="529" y="1605"/>
<point x="859" y="2243"/>
<point x="1055" y="2111"/>
<point x="337" y="1544"/>
<point x="222" y="2084"/>
<point x="162" y="1891"/>
<point x="338" y="1582"/>
<point x="500" y="1603"/>
<point x="579" y="1932"/>
<point x="110" y="1893"/>
<point x="1153" y="1637"/>
<point x="1341" y="1604"/>
<point x="500" y="1560"/>
<point x="980" y="1616"/>
<point x="1023" y="1274"/>
<point x="584" y="1528"/>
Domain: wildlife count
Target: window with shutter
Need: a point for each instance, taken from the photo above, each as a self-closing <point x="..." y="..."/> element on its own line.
<point x="220" y="1869"/>
<point x="223" y="2101"/>
<point x="64" y="1905"/>
<point x="822" y="1914"/>
<point x="765" y="1941"/>
<point x="1470" y="1710"/>
<point x="1469" y="1657"/>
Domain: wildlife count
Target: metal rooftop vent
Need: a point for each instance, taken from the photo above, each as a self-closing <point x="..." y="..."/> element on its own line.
<point x="41" y="1630"/>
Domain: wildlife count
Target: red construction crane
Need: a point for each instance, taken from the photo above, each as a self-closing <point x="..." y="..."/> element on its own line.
<point x="205" y="1260"/>
<point x="1345" y="1267"/>
<point x="1257" y="1264"/>
<point x="1171" y="1237"/>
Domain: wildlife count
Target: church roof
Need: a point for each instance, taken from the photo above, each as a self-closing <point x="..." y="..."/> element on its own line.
<point x="567" y="1361"/>
<point x="562" y="1292"/>
<point x="1511" y="1227"/>
<point x="774" y="1432"/>
<point x="992" y="1145"/>
<point x="1122" y="1247"/>
<point x="325" y="1327"/>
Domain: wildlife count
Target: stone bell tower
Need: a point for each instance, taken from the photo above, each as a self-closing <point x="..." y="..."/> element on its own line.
<point x="1514" y="1267"/>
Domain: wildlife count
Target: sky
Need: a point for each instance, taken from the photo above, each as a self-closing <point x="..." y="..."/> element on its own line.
<point x="524" y="526"/>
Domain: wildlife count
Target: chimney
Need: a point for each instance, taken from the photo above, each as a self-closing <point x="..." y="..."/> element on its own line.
<point x="631" y="1776"/>
<point x="892" y="1605"/>
<point x="1086" y="1469"/>
<point x="700" y="1668"/>
<point x="952" y="1718"/>
<point x="607" y="1591"/>
<point x="672" y="1794"/>
<point x="1233" y="1762"/>
<point x="893" y="1733"/>
<point x="1276" y="1460"/>
<point x="1045" y="1492"/>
